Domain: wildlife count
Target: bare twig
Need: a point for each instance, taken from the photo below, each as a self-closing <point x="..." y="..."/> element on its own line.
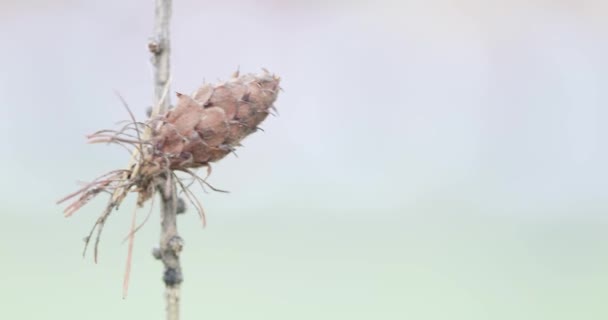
<point x="160" y="47"/>
<point x="170" y="245"/>
<point x="170" y="242"/>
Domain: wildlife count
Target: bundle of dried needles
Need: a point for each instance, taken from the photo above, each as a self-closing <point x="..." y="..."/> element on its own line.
<point x="201" y="129"/>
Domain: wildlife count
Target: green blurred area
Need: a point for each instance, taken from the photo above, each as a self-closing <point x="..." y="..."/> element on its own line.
<point x="284" y="262"/>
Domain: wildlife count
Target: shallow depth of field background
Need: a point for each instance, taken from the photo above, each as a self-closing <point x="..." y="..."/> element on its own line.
<point x="432" y="160"/>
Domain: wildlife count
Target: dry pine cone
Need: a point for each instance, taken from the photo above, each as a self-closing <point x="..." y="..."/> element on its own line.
<point x="202" y="128"/>
<point x="208" y="125"/>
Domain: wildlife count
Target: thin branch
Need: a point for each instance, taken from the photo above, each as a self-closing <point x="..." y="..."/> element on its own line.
<point x="170" y="242"/>
<point x="160" y="47"/>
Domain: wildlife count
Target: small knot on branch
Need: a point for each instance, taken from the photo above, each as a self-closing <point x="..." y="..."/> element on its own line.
<point x="155" y="47"/>
<point x="156" y="253"/>
<point x="172" y="277"/>
<point x="181" y="206"/>
<point x="176" y="244"/>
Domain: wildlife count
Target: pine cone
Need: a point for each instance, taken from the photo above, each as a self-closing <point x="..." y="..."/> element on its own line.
<point x="209" y="125"/>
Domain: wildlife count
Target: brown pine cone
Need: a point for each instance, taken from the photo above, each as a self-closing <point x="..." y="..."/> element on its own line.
<point x="210" y="124"/>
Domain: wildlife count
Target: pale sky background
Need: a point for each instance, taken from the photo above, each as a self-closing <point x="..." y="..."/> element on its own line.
<point x="432" y="160"/>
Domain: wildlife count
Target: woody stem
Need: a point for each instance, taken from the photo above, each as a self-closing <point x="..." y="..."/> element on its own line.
<point x="170" y="242"/>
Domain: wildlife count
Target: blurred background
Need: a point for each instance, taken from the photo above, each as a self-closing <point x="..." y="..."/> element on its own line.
<point x="432" y="160"/>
